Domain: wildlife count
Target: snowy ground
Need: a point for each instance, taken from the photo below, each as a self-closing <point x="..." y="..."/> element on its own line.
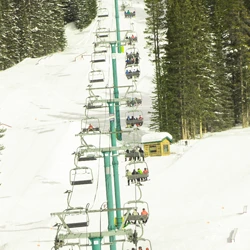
<point x="196" y="195"/>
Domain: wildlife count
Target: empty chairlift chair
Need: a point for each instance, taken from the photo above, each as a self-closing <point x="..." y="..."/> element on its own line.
<point x="101" y="47"/>
<point x="97" y="57"/>
<point x="76" y="218"/>
<point x="102" y="32"/>
<point x="94" y="102"/>
<point x="81" y="176"/>
<point x="96" y="76"/>
<point x="102" y="12"/>
<point x="84" y="153"/>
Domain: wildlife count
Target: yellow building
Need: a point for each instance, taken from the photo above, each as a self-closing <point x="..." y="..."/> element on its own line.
<point x="156" y="144"/>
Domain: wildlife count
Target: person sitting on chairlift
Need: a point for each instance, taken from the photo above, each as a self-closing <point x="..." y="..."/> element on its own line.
<point x="128" y="173"/>
<point x="90" y="127"/>
<point x="140" y="118"/>
<point x="133" y="173"/>
<point x="145" y="213"/>
<point x="145" y="171"/>
<point x="135" y="213"/>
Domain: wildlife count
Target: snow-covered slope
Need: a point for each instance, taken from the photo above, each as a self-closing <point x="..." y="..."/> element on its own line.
<point x="196" y="195"/>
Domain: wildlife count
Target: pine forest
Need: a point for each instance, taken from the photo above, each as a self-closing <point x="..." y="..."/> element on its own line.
<point x="200" y="49"/>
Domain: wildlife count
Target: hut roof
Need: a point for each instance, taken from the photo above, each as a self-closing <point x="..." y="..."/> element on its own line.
<point x="156" y="137"/>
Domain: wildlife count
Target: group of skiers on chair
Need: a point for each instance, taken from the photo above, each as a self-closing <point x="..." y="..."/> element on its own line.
<point x="135" y="154"/>
<point x="139" y="248"/>
<point x="134" y="102"/>
<point x="138" y="178"/>
<point x="132" y="58"/>
<point x="131" y="121"/>
<point x="131" y="38"/>
<point x="129" y="13"/>
<point x="140" y="219"/>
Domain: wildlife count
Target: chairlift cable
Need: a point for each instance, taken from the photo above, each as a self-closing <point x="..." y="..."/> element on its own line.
<point x="97" y="183"/>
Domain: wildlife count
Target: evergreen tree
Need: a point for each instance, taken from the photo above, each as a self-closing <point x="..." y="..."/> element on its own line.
<point x="2" y="131"/>
<point x="222" y="102"/>
<point x="155" y="38"/>
<point x="81" y="12"/>
<point x="237" y="24"/>
<point x="24" y="33"/>
<point x="8" y="35"/>
<point x="187" y="68"/>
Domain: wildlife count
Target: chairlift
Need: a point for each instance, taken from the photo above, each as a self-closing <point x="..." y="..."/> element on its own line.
<point x="145" y="244"/>
<point x="136" y="163"/>
<point x="134" y="99"/>
<point x="102" y="12"/>
<point x="76" y="218"/>
<point x="85" y="153"/>
<point x="132" y="56"/>
<point x="81" y="176"/>
<point x="101" y="47"/>
<point x="85" y="125"/>
<point x="135" y="215"/>
<point x="98" y="57"/>
<point x="132" y="52"/>
<point x="129" y="12"/>
<point x="94" y="102"/>
<point x="96" y="76"/>
<point x="102" y="32"/>
<point x="131" y="37"/>
<point x="132" y="61"/>
<point x="132" y="71"/>
<point x="134" y="117"/>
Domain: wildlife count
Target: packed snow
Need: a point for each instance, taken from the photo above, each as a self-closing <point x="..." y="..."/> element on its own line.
<point x="197" y="197"/>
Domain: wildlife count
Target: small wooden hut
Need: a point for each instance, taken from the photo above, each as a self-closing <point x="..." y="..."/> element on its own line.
<point x="156" y="144"/>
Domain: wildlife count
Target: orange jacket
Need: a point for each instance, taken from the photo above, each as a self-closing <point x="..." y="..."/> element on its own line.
<point x="144" y="212"/>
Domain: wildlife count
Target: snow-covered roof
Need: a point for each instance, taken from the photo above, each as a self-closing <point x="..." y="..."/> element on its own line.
<point x="156" y="136"/>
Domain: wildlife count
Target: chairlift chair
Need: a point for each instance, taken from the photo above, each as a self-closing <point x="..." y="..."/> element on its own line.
<point x="102" y="32"/>
<point x="134" y="117"/>
<point x="131" y="37"/>
<point x="98" y="57"/>
<point x="134" y="99"/>
<point x="94" y="121"/>
<point x="133" y="217"/>
<point x="102" y="12"/>
<point x="78" y="219"/>
<point x="132" y="56"/>
<point x="129" y="12"/>
<point x="141" y="242"/>
<point x="94" y="102"/>
<point x="132" y="71"/>
<point x="101" y="47"/>
<point x="138" y="177"/>
<point x="81" y="176"/>
<point x="132" y="52"/>
<point x="84" y="153"/>
<point x="96" y="76"/>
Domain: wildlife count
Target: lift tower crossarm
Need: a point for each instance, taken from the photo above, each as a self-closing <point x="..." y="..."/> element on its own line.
<point x="70" y="236"/>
